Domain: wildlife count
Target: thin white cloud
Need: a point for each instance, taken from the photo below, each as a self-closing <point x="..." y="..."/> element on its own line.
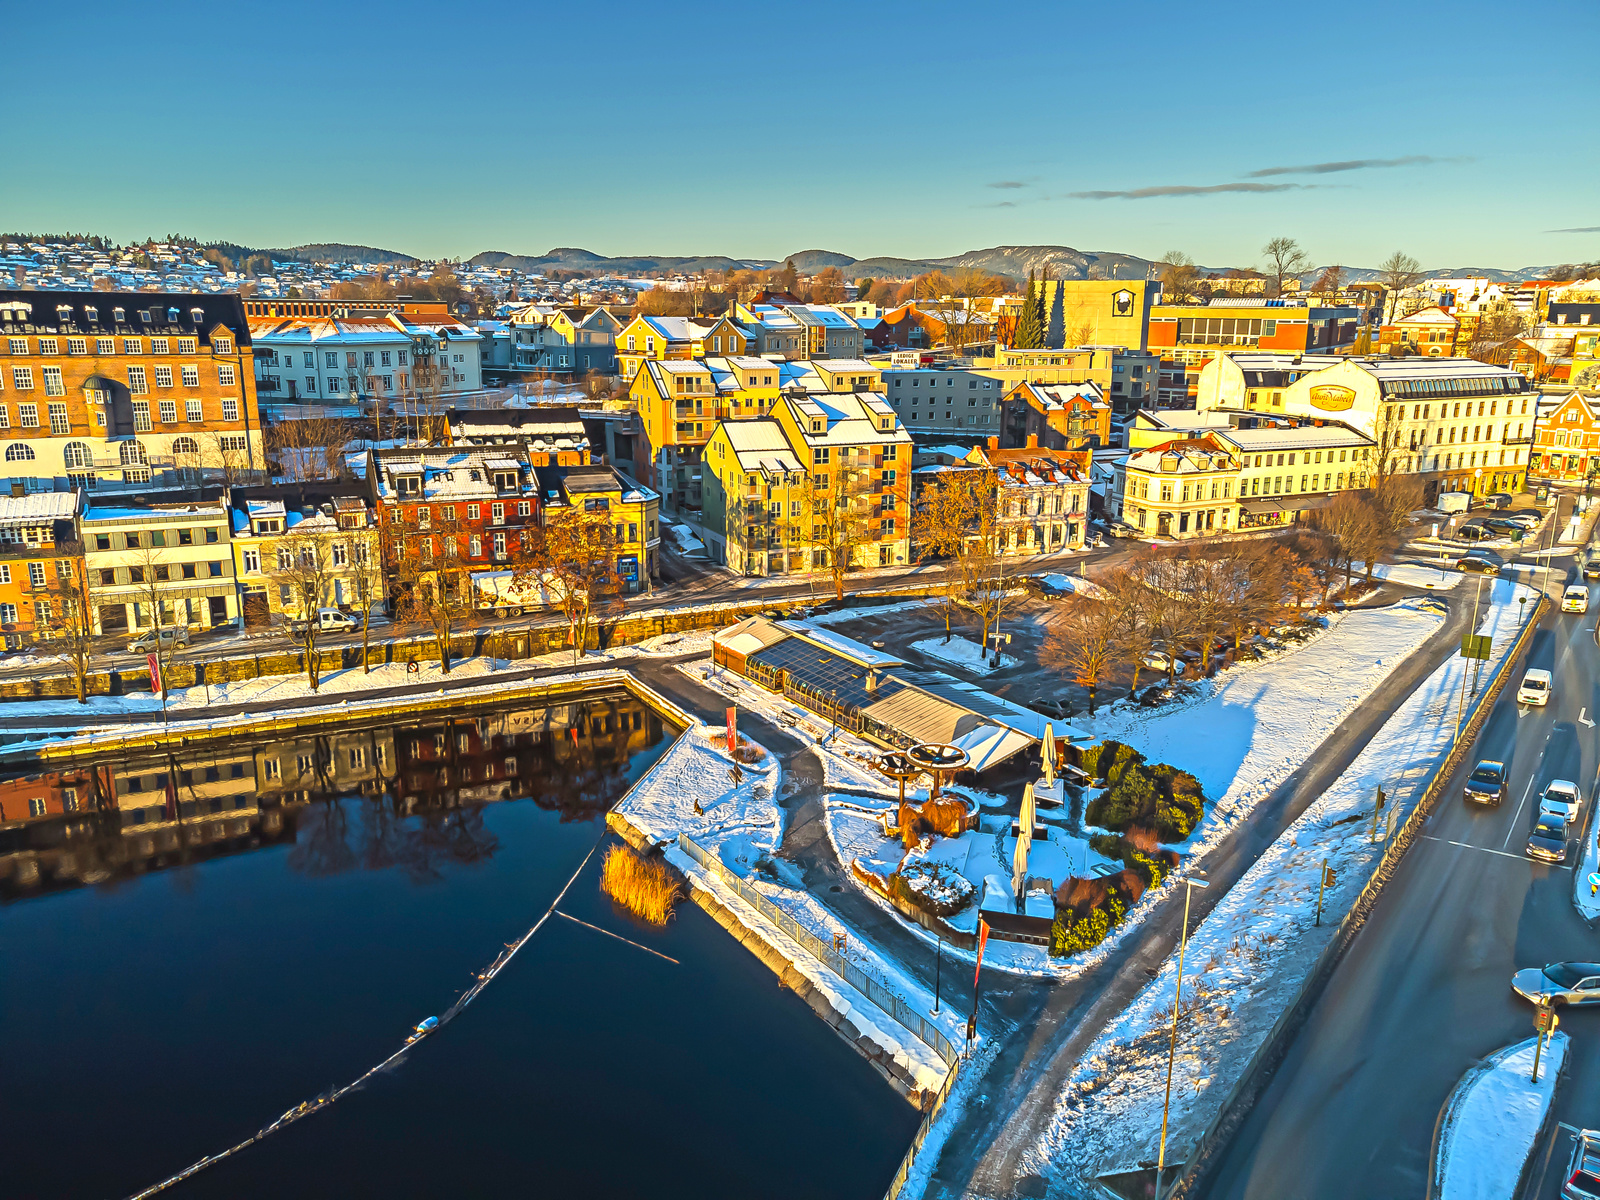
<point x="1171" y="190"/>
<point x="1352" y="164"/>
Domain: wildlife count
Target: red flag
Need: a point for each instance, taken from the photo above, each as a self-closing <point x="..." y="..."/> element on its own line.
<point x="733" y="730"/>
<point x="983" y="938"/>
<point x="155" y="674"/>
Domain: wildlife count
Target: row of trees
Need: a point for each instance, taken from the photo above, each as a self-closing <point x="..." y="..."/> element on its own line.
<point x="1162" y="602"/>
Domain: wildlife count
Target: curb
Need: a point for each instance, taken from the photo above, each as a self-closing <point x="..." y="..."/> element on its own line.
<point x="1443" y="1131"/>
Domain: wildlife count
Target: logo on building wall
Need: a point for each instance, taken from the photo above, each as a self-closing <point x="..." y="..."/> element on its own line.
<point x="1122" y="303"/>
<point x="1330" y="397"/>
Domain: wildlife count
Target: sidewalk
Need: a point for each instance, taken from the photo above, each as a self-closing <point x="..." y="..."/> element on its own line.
<point x="1491" y="1121"/>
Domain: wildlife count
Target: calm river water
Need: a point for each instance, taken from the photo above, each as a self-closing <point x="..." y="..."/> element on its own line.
<point x="189" y="946"/>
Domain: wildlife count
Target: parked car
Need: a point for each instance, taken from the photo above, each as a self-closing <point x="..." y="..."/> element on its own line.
<point x="1477" y="564"/>
<point x="1528" y="518"/>
<point x="1474" y="532"/>
<point x="1561" y="798"/>
<point x="1583" y="1171"/>
<point x="1158" y="661"/>
<point x="1535" y="687"/>
<point x="1575" y="599"/>
<point x="1548" y="841"/>
<point x="1505" y="525"/>
<point x="1119" y="529"/>
<point x="1500" y="500"/>
<point x="1559" y="983"/>
<point x="1487" y="783"/>
<point x="329" y="620"/>
<point x="170" y="636"/>
<point x="1591" y="569"/>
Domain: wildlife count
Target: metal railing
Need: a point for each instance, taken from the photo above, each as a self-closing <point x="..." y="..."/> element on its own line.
<point x="867" y="984"/>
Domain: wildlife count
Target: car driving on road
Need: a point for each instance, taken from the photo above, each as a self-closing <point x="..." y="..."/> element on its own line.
<point x="1591" y="569"/>
<point x="1487" y="783"/>
<point x="1561" y="798"/>
<point x="1535" y="687"/>
<point x="1559" y="983"/>
<point x="1548" y="841"/>
<point x="1575" y="599"/>
<point x="1477" y="564"/>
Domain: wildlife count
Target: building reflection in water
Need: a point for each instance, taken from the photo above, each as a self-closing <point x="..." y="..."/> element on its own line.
<point x="423" y="786"/>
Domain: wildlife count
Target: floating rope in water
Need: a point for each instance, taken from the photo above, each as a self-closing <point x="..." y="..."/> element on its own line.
<point x="306" y="1107"/>
<point x="619" y="938"/>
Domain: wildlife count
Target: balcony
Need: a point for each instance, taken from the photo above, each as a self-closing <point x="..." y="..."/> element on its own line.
<point x="269" y="383"/>
<point x="1517" y="441"/>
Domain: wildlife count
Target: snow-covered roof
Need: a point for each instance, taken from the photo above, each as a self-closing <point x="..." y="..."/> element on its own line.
<point x="759" y="444"/>
<point x="839" y="644"/>
<point x="1304" y="437"/>
<point x="38" y="506"/>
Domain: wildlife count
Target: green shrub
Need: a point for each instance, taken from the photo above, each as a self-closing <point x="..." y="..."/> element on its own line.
<point x="1070" y="935"/>
<point x="1155" y="795"/>
<point x="1106" y="845"/>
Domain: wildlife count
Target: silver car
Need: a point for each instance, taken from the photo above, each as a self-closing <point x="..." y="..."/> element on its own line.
<point x="1583" y="1172"/>
<point x="1559" y="983"/>
<point x="1561" y="798"/>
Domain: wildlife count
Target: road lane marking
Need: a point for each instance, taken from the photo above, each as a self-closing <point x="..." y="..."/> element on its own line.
<point x="1525" y="792"/>
<point x="1583" y="718"/>
<point x="1487" y="850"/>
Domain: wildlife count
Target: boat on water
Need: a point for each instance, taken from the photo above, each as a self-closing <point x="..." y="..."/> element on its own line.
<point x="423" y="1029"/>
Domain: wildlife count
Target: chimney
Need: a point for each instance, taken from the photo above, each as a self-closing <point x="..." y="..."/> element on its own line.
<point x="1033" y="441"/>
<point x="994" y="443"/>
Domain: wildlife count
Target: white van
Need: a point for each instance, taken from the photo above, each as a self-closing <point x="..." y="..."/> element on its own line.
<point x="1535" y="688"/>
<point x="1575" y="599"/>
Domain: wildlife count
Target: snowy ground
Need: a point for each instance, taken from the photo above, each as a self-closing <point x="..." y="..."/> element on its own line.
<point x="1248" y="959"/>
<point x="690" y="790"/>
<point x="739" y="820"/>
<point x="1254" y="724"/>
<point x="961" y="652"/>
<point x="1069" y="583"/>
<point x="859" y="614"/>
<point x="1492" y="1120"/>
<point x="1419" y="574"/>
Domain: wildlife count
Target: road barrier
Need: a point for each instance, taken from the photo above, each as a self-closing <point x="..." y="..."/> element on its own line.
<point x="1256" y="1074"/>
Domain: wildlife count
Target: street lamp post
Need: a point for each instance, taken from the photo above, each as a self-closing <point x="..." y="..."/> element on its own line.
<point x="1189" y="884"/>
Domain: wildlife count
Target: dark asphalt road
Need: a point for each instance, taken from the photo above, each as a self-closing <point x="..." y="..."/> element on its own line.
<point x="1424" y="991"/>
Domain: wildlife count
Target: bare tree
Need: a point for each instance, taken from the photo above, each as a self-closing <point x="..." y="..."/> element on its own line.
<point x="839" y="520"/>
<point x="304" y="572"/>
<point x="308" y="447"/>
<point x="579" y="561"/>
<point x="1179" y="277"/>
<point x="70" y="625"/>
<point x="1285" y="260"/>
<point x="939" y="528"/>
<point x="1083" y="643"/>
<point x="434" y="585"/>
<point x="1331" y="280"/>
<point x="367" y="584"/>
<point x="1136" y="606"/>
<point x="1399" y="273"/>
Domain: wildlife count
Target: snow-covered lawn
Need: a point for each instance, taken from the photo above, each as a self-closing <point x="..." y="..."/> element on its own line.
<point x="1254" y="724"/>
<point x="691" y="789"/>
<point x="1492" y="1120"/>
<point x="1584" y="894"/>
<point x="962" y="652"/>
<point x="1247" y="960"/>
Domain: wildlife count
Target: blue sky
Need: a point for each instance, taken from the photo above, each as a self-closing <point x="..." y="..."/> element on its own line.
<point x="1462" y="133"/>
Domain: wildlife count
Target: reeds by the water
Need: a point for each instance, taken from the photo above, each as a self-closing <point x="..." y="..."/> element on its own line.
<point x="642" y="886"/>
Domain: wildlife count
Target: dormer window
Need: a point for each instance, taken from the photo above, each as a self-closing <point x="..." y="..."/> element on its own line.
<point x="91" y="312"/>
<point x="172" y="314"/>
<point x="816" y="427"/>
<point x="408" y="485"/>
<point x="198" y="315"/>
<point x="63" y="313"/>
<point x="118" y="315"/>
<point x="144" y="315"/>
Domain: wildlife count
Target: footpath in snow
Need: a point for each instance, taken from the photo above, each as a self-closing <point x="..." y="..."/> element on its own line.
<point x="1249" y="958"/>
<point x="1492" y="1120"/>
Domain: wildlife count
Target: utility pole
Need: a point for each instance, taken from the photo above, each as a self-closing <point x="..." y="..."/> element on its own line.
<point x="1189" y="884"/>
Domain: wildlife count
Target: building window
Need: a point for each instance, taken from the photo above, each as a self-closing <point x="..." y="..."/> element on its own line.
<point x="28" y="415"/>
<point x="77" y="346"/>
<point x="105" y="346"/>
<point x="222" y="345"/>
<point x="164" y="377"/>
<point x="22" y="378"/>
<point x="141" y="416"/>
<point x="58" y="417"/>
<point x="36" y="574"/>
<point x="136" y="381"/>
<point x="225" y="374"/>
<point x="230" y="410"/>
<point x="169" y="412"/>
<point x="476" y="546"/>
<point x="191" y="376"/>
<point x="52" y="382"/>
<point x="131" y="346"/>
<point x="472" y="512"/>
